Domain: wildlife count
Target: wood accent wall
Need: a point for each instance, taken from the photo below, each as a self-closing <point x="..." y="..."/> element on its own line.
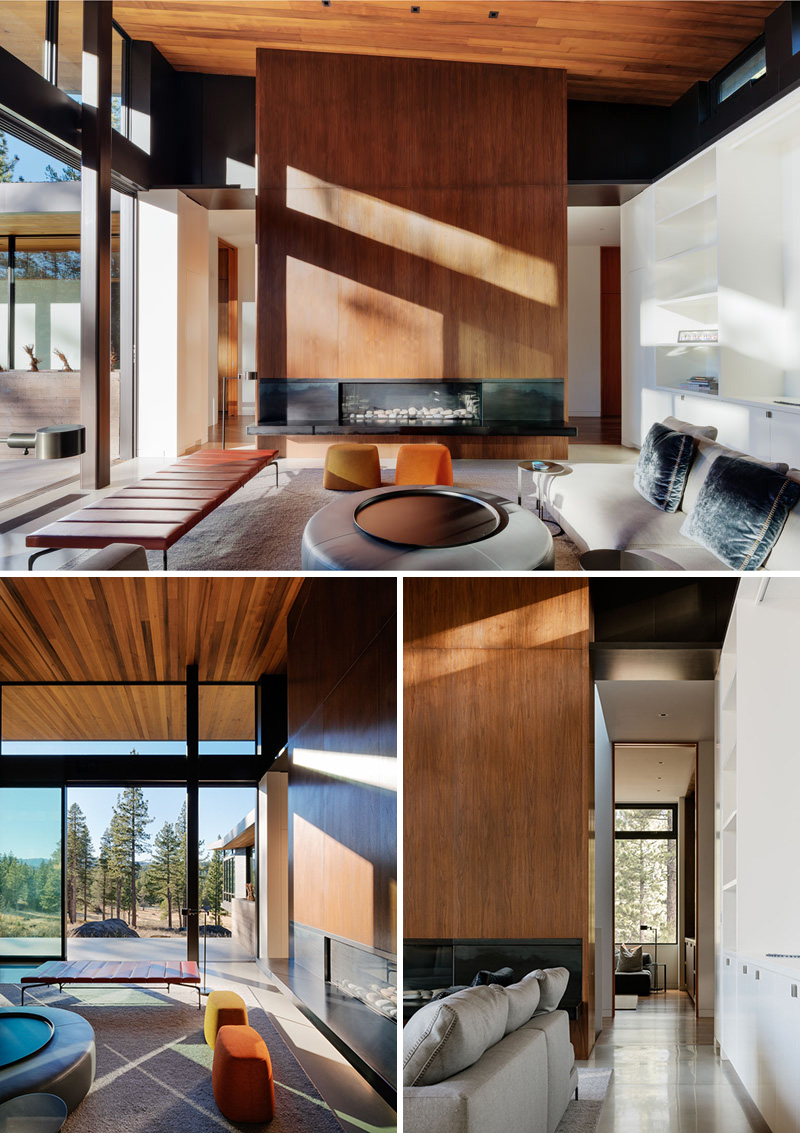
<point x="342" y="692"/>
<point x="610" y="333"/>
<point x="498" y="772"/>
<point x="411" y="221"/>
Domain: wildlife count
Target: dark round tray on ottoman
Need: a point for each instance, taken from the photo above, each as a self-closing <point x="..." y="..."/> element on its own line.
<point x="426" y="527"/>
<point x="63" y="1066"/>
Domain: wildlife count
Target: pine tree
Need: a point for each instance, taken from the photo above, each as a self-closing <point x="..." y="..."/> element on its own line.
<point x="8" y="162"/>
<point x="79" y="860"/>
<point x="165" y="866"/>
<point x="212" y="889"/>
<point x="67" y="173"/>
<point x="104" y="884"/>
<point x="129" y="836"/>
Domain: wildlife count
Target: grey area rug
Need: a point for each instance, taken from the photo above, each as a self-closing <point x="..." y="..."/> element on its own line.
<point x="260" y="527"/>
<point x="583" y="1115"/>
<point x="154" y="1067"/>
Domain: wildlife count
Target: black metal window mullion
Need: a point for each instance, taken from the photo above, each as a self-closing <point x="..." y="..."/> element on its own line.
<point x="125" y="84"/>
<point x="12" y="250"/>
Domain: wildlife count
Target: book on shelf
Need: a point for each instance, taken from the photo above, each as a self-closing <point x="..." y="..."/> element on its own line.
<point x="702" y="384"/>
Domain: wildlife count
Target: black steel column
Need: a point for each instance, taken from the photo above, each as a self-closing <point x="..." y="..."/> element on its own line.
<point x="272" y="718"/>
<point x="192" y="813"/>
<point x="12" y="297"/>
<point x="96" y="244"/>
<point x="63" y="872"/>
<point x="127" y="323"/>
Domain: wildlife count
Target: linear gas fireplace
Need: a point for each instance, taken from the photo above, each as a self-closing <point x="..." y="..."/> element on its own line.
<point x="457" y="407"/>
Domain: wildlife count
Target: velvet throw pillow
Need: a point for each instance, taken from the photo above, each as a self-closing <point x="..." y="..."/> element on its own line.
<point x="662" y="467"/>
<point x="740" y="511"/>
<point x="630" y="960"/>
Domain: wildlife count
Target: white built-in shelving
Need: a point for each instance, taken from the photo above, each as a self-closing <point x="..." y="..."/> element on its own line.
<point x="715" y="246"/>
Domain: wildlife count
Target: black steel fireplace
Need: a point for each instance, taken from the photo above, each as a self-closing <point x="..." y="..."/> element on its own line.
<point x="460" y="407"/>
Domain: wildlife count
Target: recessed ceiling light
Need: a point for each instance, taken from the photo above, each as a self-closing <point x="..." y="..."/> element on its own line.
<point x="415" y="9"/>
<point x="661" y="763"/>
<point x="663" y="714"/>
<point x="494" y="15"/>
<point x="326" y="3"/>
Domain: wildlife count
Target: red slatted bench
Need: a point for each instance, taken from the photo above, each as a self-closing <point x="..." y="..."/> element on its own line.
<point x="65" y="972"/>
<point x="157" y="511"/>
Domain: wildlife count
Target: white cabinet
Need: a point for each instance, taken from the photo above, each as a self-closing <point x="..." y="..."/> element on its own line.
<point x="786" y="1112"/>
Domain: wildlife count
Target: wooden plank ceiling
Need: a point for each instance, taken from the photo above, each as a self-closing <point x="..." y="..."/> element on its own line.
<point x="132" y="629"/>
<point x="645" y="51"/>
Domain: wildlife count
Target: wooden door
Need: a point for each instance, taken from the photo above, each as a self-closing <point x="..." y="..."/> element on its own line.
<point x="610" y="334"/>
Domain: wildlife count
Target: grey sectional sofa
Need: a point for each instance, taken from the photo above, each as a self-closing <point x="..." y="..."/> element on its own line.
<point x="521" y="1082"/>
<point x="599" y="508"/>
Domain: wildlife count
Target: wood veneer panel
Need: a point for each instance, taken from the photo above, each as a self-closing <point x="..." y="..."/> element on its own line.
<point x="411" y="221"/>
<point x="342" y="701"/>
<point x="626" y="51"/>
<point x="498" y="763"/>
<point x="512" y="613"/>
<point x="499" y="448"/>
<point x="610" y="333"/>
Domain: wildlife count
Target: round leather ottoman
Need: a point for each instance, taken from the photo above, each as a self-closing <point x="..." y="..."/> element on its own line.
<point x="241" y="1075"/>
<point x="223" y="1009"/>
<point x="64" y="1067"/>
<point x="333" y="541"/>
<point x="349" y="467"/>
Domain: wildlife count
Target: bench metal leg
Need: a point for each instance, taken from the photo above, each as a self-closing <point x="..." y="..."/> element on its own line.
<point x="38" y="554"/>
<point x="165" y="558"/>
<point x="276" y="473"/>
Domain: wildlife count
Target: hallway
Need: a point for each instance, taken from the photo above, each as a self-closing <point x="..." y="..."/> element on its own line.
<point x="667" y="1077"/>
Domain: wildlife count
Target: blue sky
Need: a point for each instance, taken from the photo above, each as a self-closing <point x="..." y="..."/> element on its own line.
<point x="32" y="162"/>
<point x="29" y="818"/>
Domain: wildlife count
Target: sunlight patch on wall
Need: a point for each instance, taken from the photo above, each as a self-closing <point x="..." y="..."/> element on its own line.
<point x="338" y="327"/>
<point x="333" y="885"/>
<point x="368" y="770"/>
<point x="446" y="245"/>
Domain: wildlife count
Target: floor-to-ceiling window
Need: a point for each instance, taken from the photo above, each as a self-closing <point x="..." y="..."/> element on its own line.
<point x="31" y="853"/>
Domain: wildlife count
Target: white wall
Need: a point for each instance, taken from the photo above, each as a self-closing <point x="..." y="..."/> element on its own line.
<point x="704" y="925"/>
<point x="604" y="867"/>
<point x="583" y="299"/>
<point x="157" y="354"/>
<point x="173" y="323"/>
<point x="273" y="865"/>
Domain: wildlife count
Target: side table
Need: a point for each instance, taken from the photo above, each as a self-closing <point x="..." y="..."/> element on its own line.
<point x="539" y="469"/>
<point x="45" y="1113"/>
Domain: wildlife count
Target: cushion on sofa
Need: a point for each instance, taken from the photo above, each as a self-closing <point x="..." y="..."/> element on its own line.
<point x="629" y="960"/>
<point x="662" y="467"/>
<point x="523" y="1000"/>
<point x="503" y="976"/>
<point x="740" y="511"/>
<point x="552" y="985"/>
<point x="445" y="1037"/>
<point x="706" y="452"/>
<point x="785" y="555"/>
<point x="699" y="432"/>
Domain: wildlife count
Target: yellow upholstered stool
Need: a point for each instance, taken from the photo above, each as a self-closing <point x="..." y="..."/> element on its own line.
<point x="423" y="464"/>
<point x="241" y="1076"/>
<point x="351" y="468"/>
<point x="223" y="1009"/>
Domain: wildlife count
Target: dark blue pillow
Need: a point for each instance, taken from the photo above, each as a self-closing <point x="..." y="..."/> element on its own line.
<point x="740" y="511"/>
<point x="663" y="466"/>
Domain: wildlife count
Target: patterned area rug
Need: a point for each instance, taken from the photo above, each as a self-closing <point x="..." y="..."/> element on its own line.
<point x="583" y="1115"/>
<point x="154" y="1067"/>
<point x="261" y="526"/>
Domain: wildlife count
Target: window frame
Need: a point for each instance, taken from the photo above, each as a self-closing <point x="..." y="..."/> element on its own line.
<point x="648" y="835"/>
<point x="731" y="68"/>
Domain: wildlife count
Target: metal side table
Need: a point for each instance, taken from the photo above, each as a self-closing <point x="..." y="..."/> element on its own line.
<point x="540" y="469"/>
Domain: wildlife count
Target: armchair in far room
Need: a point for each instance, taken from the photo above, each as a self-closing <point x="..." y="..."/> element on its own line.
<point x="634" y="980"/>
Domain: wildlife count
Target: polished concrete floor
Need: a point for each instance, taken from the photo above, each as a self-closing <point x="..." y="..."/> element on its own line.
<point x="668" y="1077"/>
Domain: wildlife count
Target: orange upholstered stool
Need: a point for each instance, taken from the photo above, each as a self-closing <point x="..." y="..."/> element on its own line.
<point x="241" y="1076"/>
<point x="351" y="468"/>
<point x="423" y="464"/>
<point x="223" y="1009"/>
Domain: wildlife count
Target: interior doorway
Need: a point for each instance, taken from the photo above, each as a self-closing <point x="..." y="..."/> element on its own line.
<point x="654" y="863"/>
<point x="227" y="330"/>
